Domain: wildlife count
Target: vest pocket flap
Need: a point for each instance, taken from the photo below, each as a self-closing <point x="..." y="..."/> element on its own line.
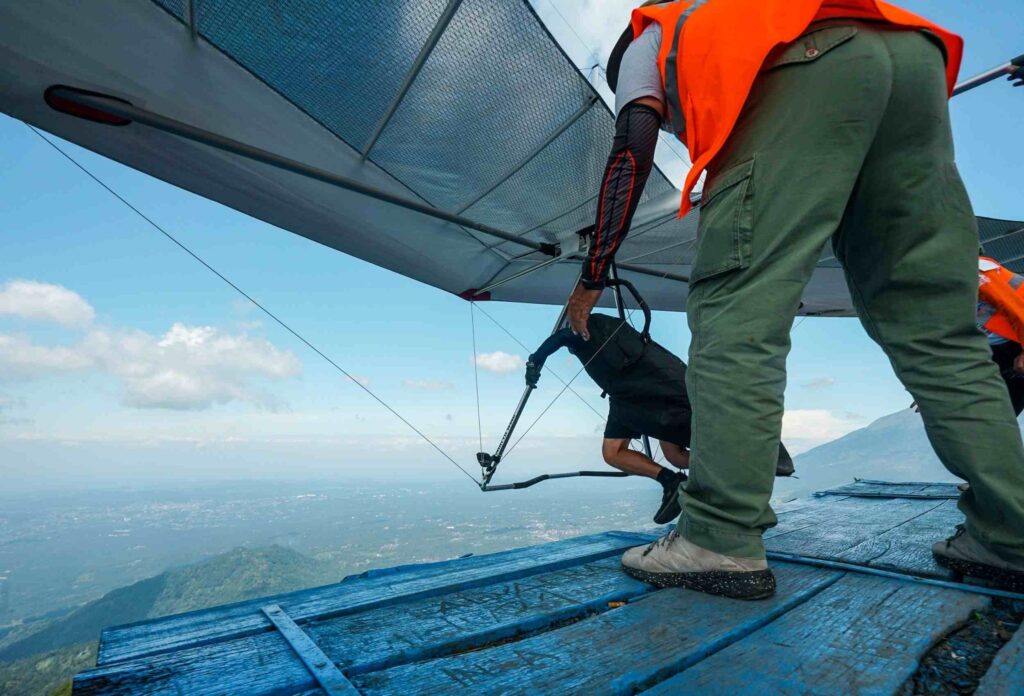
<point x="810" y="46"/>
<point x="726" y="223"/>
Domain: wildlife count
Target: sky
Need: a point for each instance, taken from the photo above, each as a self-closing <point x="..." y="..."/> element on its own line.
<point x="123" y="360"/>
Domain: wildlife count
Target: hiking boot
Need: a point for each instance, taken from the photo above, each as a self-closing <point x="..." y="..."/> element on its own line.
<point x="673" y="561"/>
<point x="964" y="554"/>
<point x="784" y="466"/>
<point x="670" y="508"/>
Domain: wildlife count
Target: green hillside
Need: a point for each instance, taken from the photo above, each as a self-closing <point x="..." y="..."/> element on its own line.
<point x="40" y="662"/>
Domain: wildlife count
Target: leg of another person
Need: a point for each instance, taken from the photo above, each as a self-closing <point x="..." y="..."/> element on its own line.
<point x="909" y="247"/>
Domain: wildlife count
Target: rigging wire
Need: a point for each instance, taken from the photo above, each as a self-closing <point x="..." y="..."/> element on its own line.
<point x="546" y="366"/>
<point x="559" y="394"/>
<point x="476" y="376"/>
<point x="259" y="306"/>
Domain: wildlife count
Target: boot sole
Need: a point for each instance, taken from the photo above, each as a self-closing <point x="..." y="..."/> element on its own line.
<point x="1006" y="579"/>
<point x="754" y="585"/>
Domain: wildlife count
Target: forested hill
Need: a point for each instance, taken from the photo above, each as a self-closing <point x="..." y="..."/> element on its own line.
<point x="38" y="662"/>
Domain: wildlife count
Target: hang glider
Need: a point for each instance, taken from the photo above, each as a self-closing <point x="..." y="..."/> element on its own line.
<point x="467" y="108"/>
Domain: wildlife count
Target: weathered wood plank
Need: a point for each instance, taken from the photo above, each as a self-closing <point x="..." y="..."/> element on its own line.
<point x="356" y="594"/>
<point x="830" y="527"/>
<point x="907" y="548"/>
<point x="1005" y="677"/>
<point x="616" y="652"/>
<point x="862" y="635"/>
<point x="377" y="638"/>
<point x="886" y="489"/>
<point x="321" y="667"/>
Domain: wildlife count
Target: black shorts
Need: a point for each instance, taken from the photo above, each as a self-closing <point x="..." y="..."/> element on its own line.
<point x="669" y="422"/>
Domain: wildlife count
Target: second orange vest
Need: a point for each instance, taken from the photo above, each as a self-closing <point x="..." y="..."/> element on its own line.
<point x="712" y="51"/>
<point x="1002" y="291"/>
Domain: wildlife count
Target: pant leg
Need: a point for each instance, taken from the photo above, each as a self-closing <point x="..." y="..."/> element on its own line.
<point x="1003" y="355"/>
<point x="909" y="246"/>
<point x="773" y="199"/>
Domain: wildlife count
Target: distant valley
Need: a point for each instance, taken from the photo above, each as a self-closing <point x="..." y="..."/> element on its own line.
<point x="97" y="559"/>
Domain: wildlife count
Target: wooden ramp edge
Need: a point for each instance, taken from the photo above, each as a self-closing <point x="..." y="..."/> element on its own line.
<point x="859" y="604"/>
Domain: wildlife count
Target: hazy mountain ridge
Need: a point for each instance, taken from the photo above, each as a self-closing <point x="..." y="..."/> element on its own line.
<point x="39" y="662"/>
<point x="43" y="656"/>
<point x="892" y="448"/>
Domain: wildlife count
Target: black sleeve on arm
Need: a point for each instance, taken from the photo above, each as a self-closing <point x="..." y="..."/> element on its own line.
<point x="629" y="165"/>
<point x="554" y="342"/>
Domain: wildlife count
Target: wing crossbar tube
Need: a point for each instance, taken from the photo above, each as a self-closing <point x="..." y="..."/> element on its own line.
<point x="107" y="109"/>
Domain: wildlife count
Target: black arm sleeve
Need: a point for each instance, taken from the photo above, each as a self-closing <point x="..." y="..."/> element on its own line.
<point x="629" y="165"/>
<point x="535" y="363"/>
<point x="553" y="343"/>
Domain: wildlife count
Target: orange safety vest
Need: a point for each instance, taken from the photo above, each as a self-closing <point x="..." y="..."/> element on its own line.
<point x="1001" y="306"/>
<point x="712" y="51"/>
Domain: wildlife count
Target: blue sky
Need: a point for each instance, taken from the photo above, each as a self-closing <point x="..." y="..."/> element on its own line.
<point x="97" y="396"/>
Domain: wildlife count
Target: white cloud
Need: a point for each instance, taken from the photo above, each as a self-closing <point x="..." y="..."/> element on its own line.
<point x="595" y="23"/>
<point x="27" y="299"/>
<point x="20" y="358"/>
<point x="361" y="379"/>
<point x="819" y="383"/>
<point x="803" y="429"/>
<point x="188" y="368"/>
<point x="427" y="384"/>
<point x="499" y="362"/>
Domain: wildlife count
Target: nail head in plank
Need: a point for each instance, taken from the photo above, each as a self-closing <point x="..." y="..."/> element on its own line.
<point x="330" y="678"/>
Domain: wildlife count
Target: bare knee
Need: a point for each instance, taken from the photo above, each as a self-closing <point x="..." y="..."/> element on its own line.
<point x="611" y="450"/>
<point x="677" y="456"/>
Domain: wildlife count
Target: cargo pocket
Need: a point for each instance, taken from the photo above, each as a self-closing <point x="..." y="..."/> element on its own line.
<point x="811" y="46"/>
<point x="726" y="223"/>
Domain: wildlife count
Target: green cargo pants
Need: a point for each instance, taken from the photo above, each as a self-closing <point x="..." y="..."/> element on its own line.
<point x="845" y="138"/>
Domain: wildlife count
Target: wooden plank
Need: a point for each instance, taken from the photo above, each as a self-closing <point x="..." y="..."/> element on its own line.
<point x="356" y="594"/>
<point x="886" y="489"/>
<point x="616" y="652"/>
<point x="1005" y="677"/>
<point x="830" y="527"/>
<point x="907" y="548"/>
<point x="862" y="635"/>
<point x="326" y="673"/>
<point x="377" y="638"/>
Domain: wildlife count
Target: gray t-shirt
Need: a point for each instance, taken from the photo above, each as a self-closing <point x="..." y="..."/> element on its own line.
<point x="639" y="75"/>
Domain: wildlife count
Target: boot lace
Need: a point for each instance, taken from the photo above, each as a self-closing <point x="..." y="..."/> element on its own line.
<point x="960" y="530"/>
<point x="662" y="541"/>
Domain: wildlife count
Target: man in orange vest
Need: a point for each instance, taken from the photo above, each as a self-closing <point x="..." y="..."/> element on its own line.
<point x="1001" y="317"/>
<point x="817" y="121"/>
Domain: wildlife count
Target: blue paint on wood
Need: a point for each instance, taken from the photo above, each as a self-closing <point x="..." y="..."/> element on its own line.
<point x="615" y="652"/>
<point x="1006" y="675"/>
<point x="327" y="675"/>
<point x="539" y="619"/>
<point x="892" y="534"/>
<point x="244" y="618"/>
<point x="885" y="489"/>
<point x="862" y="635"/>
<point x="378" y="638"/>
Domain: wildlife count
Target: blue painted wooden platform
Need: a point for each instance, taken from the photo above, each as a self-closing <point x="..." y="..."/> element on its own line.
<point x="860" y="601"/>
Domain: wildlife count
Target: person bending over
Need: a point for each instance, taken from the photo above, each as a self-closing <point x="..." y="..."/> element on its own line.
<point x="1001" y="317"/>
<point x="646" y="389"/>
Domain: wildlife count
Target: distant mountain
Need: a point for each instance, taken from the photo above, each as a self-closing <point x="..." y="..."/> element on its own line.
<point x="893" y="448"/>
<point x="40" y="661"/>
